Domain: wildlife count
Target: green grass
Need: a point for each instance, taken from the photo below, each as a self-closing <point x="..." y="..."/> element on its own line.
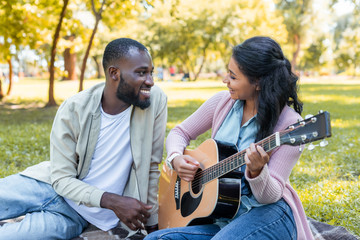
<point x="326" y="179"/>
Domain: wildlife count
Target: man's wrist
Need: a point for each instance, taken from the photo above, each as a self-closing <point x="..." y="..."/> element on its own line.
<point x="170" y="159"/>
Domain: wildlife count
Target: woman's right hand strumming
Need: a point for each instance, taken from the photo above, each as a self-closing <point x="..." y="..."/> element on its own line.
<point x="186" y="167"/>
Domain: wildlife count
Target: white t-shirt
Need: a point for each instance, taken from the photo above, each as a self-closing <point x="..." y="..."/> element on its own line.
<point x="110" y="166"/>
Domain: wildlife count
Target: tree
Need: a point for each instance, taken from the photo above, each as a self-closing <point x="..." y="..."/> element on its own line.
<point x="51" y="100"/>
<point x="347" y="38"/>
<point x="1" y="91"/>
<point x="98" y="17"/>
<point x="70" y="60"/>
<point x="312" y="58"/>
<point x="193" y="33"/>
<point x="297" y="18"/>
<point x="113" y="14"/>
<point x="18" y="29"/>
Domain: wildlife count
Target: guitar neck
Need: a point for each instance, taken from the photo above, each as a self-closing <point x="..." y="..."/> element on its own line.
<point x="235" y="161"/>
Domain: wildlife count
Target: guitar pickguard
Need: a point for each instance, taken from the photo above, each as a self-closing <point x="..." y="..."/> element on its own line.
<point x="189" y="204"/>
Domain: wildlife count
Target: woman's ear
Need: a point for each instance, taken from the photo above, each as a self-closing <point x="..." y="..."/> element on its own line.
<point x="257" y="85"/>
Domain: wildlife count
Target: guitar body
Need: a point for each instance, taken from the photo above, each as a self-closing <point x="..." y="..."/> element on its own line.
<point x="184" y="203"/>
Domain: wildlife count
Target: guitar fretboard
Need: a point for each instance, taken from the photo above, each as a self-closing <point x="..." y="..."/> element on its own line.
<point x="233" y="162"/>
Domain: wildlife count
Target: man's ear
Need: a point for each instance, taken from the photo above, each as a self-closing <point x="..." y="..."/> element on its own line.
<point x="114" y="73"/>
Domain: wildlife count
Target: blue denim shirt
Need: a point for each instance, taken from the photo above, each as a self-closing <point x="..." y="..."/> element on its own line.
<point x="232" y="132"/>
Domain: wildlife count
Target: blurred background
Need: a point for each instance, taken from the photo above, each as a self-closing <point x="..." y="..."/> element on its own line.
<point x="188" y="40"/>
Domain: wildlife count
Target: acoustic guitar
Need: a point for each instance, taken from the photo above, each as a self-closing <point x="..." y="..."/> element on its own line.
<point x="215" y="189"/>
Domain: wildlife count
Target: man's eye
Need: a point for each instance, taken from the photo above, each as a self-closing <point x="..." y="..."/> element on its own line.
<point x="141" y="74"/>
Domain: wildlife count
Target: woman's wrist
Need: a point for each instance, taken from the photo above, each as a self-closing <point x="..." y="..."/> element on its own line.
<point x="152" y="228"/>
<point x="254" y="174"/>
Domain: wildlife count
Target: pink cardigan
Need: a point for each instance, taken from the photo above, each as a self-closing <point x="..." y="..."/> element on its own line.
<point x="273" y="182"/>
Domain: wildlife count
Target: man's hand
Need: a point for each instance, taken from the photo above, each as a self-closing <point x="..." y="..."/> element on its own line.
<point x="186" y="167"/>
<point x="130" y="211"/>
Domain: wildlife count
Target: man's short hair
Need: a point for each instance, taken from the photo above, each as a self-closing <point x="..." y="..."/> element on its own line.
<point x="119" y="49"/>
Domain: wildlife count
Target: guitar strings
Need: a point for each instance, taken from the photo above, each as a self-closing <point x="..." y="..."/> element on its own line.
<point x="215" y="169"/>
<point x="218" y="169"/>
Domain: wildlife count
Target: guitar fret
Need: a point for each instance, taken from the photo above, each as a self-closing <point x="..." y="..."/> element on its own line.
<point x="233" y="162"/>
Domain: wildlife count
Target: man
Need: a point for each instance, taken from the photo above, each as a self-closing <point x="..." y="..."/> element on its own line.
<point x="105" y="146"/>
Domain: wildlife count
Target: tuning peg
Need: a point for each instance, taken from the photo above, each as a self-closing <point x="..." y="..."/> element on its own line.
<point x="321" y="111"/>
<point x="300" y="148"/>
<point x="311" y="147"/>
<point x="308" y="116"/>
<point x="323" y="143"/>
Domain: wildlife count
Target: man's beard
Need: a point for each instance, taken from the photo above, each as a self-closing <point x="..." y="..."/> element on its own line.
<point x="126" y="93"/>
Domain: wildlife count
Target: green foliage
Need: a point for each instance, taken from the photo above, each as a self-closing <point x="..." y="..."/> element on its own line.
<point x="204" y="31"/>
<point x="18" y="26"/>
<point x="312" y="56"/>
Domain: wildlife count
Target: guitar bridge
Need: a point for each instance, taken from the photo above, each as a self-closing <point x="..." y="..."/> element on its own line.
<point x="177" y="189"/>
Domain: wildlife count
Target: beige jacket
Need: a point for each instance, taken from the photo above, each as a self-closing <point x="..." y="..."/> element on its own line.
<point x="72" y="142"/>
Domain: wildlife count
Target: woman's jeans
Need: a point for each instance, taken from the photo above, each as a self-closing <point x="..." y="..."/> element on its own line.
<point x="272" y="221"/>
<point x="47" y="215"/>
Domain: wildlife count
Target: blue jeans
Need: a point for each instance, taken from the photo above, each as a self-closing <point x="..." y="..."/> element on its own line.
<point x="272" y="221"/>
<point x="47" y="215"/>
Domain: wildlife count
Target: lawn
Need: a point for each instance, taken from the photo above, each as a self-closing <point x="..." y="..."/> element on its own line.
<point x="326" y="179"/>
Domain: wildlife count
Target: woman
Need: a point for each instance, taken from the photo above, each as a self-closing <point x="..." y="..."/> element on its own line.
<point x="261" y="90"/>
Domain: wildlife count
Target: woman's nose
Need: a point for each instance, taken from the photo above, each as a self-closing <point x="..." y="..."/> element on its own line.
<point x="226" y="78"/>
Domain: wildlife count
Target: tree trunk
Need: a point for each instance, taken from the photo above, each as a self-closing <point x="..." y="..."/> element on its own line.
<point x="51" y="101"/>
<point x="10" y="77"/>
<point x="99" y="69"/>
<point x="354" y="75"/>
<point x="296" y="52"/>
<point x="203" y="60"/>
<point x="98" y="18"/>
<point x="1" y="91"/>
<point x="70" y="65"/>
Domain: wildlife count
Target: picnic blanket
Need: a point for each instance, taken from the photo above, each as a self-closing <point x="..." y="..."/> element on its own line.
<point x="323" y="231"/>
<point x="320" y="230"/>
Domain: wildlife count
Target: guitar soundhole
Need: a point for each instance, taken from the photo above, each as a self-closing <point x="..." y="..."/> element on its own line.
<point x="196" y="184"/>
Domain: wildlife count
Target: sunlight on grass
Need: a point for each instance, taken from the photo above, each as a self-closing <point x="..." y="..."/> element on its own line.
<point x="345" y="123"/>
<point x="325" y="98"/>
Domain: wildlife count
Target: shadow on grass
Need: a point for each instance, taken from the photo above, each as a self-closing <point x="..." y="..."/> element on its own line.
<point x="25" y="113"/>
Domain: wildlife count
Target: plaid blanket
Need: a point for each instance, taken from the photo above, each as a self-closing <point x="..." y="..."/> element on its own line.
<point x="323" y="231"/>
<point x="320" y="230"/>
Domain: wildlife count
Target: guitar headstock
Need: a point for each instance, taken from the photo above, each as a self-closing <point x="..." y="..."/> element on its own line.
<point x="308" y="130"/>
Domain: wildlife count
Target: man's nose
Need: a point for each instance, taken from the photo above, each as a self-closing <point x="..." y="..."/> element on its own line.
<point x="149" y="80"/>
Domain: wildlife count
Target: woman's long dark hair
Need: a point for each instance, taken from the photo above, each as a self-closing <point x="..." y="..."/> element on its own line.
<point x="262" y="61"/>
